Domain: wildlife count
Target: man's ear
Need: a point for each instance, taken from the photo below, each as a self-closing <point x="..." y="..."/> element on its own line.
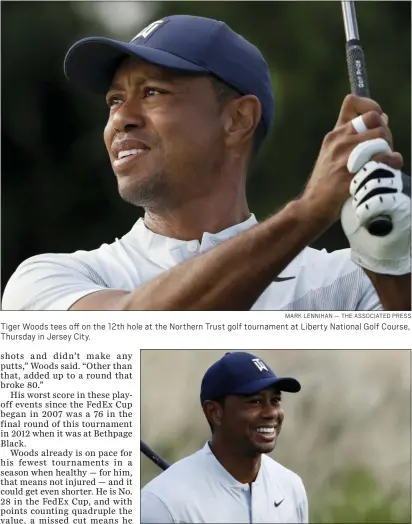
<point x="213" y="412"/>
<point x="241" y="118"/>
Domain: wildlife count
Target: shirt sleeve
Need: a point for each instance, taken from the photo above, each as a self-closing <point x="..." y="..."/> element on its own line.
<point x="154" y="511"/>
<point x="303" y="506"/>
<point x="50" y="282"/>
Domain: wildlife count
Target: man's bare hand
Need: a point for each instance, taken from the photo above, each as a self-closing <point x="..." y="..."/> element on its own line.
<point x="328" y="186"/>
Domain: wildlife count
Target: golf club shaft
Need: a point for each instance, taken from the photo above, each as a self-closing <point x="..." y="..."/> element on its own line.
<point x="381" y="225"/>
<point x="152" y="455"/>
<point x="354" y="52"/>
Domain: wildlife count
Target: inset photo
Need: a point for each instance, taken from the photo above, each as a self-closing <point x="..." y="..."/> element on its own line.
<point x="275" y="436"/>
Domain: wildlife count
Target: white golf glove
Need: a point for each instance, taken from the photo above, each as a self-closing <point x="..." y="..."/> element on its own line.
<point x="378" y="190"/>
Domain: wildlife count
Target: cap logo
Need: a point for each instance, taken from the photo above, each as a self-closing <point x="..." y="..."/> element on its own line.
<point x="149" y="29"/>
<point x="259" y="364"/>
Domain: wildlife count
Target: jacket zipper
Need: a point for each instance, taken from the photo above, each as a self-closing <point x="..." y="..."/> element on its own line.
<point x="250" y="506"/>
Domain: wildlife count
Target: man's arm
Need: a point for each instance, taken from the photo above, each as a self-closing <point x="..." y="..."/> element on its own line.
<point x="154" y="511"/>
<point x="303" y="506"/>
<point x="394" y="291"/>
<point x="229" y="277"/>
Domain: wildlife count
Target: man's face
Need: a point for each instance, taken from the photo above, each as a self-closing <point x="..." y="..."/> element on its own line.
<point x="253" y="422"/>
<point x="171" y="124"/>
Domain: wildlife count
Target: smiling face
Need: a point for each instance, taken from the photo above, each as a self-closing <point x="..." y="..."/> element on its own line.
<point x="164" y="134"/>
<point x="249" y="423"/>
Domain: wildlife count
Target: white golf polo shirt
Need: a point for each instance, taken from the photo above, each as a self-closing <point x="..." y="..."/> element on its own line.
<point x="198" y="489"/>
<point x="314" y="280"/>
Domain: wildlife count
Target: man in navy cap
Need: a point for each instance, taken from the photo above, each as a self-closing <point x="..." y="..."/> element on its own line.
<point x="190" y="102"/>
<point x="232" y="480"/>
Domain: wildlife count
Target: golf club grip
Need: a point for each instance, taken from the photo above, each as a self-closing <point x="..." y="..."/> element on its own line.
<point x="382" y="225"/>
<point x="152" y="455"/>
<point x="357" y="70"/>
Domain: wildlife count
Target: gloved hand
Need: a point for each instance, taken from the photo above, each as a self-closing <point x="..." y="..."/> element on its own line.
<point x="377" y="190"/>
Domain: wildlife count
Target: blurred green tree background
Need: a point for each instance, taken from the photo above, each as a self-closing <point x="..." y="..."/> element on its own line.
<point x="58" y="190"/>
<point x="347" y="433"/>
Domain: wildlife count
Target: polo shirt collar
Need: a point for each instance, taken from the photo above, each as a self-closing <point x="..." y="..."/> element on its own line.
<point x="170" y="251"/>
<point x="223" y="476"/>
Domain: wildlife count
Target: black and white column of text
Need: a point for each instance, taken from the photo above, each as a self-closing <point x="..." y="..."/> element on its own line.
<point x="68" y="424"/>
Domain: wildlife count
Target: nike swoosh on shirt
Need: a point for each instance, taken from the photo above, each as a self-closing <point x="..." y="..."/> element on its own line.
<point x="278" y="503"/>
<point x="282" y="279"/>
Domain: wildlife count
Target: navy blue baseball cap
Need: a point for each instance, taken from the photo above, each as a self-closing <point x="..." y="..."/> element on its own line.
<point x="241" y="373"/>
<point x="186" y="43"/>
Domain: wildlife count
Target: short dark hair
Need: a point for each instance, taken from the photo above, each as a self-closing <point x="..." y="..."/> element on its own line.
<point x="221" y="401"/>
<point x="224" y="93"/>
